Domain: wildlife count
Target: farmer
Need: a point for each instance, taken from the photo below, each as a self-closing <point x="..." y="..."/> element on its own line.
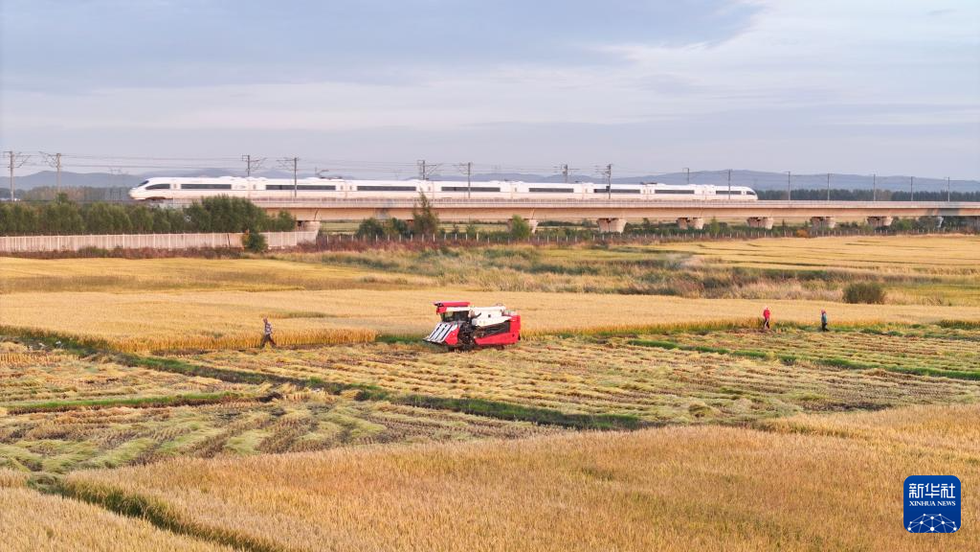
<point x="766" y="314"/>
<point x="267" y="334"/>
<point x="823" y="320"/>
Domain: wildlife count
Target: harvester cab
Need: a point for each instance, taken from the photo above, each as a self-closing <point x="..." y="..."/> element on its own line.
<point x="466" y="327"/>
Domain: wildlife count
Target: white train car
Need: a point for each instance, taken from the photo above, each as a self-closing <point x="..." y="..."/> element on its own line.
<point x="167" y="188"/>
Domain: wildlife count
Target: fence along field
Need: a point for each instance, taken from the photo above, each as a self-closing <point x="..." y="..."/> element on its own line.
<point x="661" y="489"/>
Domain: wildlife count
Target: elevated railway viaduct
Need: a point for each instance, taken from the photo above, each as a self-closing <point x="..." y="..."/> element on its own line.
<point x="612" y="214"/>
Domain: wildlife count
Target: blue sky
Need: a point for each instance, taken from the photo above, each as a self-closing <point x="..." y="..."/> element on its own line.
<point x="846" y="86"/>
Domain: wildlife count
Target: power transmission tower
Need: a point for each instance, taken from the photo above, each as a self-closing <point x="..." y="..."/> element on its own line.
<point x="467" y="168"/>
<point x="291" y="162"/>
<point x="565" y="170"/>
<point x="16" y="160"/>
<point x="252" y="164"/>
<point x="54" y="161"/>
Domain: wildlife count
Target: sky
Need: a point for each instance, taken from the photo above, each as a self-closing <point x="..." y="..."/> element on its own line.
<point x="856" y="86"/>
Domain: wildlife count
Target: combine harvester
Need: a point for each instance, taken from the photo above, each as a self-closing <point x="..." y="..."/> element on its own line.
<point x="464" y="327"/>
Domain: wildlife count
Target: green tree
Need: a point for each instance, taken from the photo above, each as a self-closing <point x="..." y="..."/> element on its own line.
<point x="424" y="219"/>
<point x="254" y="242"/>
<point x="370" y="228"/>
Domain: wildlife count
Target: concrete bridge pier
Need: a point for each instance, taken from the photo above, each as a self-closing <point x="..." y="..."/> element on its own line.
<point x="880" y="221"/>
<point x="308" y="225"/>
<point x="617" y="225"/>
<point x="687" y="223"/>
<point x="760" y="222"/>
<point x="823" y="223"/>
<point x="533" y="223"/>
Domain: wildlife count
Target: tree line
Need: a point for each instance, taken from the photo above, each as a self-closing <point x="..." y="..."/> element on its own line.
<point x="65" y="217"/>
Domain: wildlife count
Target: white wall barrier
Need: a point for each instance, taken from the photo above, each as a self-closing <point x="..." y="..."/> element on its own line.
<point x="38" y="244"/>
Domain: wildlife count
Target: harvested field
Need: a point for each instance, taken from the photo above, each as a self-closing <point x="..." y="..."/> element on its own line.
<point x="579" y="375"/>
<point x="50" y="379"/>
<point x="58" y="442"/>
<point x="662" y="489"/>
<point x="905" y="352"/>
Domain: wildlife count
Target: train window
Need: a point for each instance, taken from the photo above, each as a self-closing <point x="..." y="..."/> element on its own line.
<point x="675" y="191"/>
<point x="551" y="190"/>
<point x="616" y="190"/>
<point x="302" y="188"/>
<point x="205" y="186"/>
<point x="465" y="189"/>
<point x="386" y="188"/>
<point x="158" y="187"/>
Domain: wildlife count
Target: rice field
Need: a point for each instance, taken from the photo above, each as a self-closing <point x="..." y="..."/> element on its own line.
<point x="713" y="488"/>
<point x="228" y="319"/>
<point x="19" y="275"/>
<point x="954" y="357"/>
<point x="953" y="255"/>
<point x="606" y="376"/>
<point x="32" y="521"/>
<point x="37" y="380"/>
<point x="59" y="442"/>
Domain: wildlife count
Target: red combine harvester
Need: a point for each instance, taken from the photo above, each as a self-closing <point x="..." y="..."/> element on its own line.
<point x="465" y="327"/>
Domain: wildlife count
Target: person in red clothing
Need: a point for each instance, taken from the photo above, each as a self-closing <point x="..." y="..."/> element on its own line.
<point x="766" y="314"/>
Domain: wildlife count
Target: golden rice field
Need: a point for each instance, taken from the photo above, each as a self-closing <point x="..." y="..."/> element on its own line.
<point x="955" y="255"/>
<point x="798" y="486"/>
<point x="229" y="319"/>
<point x="185" y="274"/>
<point x="584" y="376"/>
<point x="31" y="521"/>
<point x="58" y="442"/>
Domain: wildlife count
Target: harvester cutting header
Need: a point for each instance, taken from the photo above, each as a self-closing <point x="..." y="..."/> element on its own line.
<point x="466" y="327"/>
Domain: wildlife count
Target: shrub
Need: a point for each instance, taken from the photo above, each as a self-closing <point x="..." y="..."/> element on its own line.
<point x="254" y="242"/>
<point x="519" y="228"/>
<point x="865" y="292"/>
<point x="424" y="220"/>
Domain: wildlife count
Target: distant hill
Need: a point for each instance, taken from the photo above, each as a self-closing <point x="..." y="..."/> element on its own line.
<point x="759" y="180"/>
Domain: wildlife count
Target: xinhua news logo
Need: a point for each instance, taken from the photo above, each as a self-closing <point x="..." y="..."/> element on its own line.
<point x="932" y="503"/>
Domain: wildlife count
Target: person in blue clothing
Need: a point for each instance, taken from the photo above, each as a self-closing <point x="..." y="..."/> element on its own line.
<point x="823" y="320"/>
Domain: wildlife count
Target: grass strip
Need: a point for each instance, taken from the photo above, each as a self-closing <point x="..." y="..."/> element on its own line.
<point x="158" y="513"/>
<point x="132" y="402"/>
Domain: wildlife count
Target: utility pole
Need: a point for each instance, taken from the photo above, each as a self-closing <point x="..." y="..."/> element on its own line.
<point x="565" y="171"/>
<point x="251" y="164"/>
<point x="828" y="186"/>
<point x="729" y="184"/>
<point x="789" y="185"/>
<point x="607" y="173"/>
<point x="285" y="163"/>
<point x="948" y="194"/>
<point x="911" y="188"/>
<point x="688" y="171"/>
<point x="54" y="161"/>
<point x="874" y="187"/>
<point x="427" y="170"/>
<point x="16" y="160"/>
<point x="468" y="169"/>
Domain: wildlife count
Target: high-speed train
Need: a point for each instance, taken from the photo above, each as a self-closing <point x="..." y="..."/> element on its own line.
<point x="164" y="188"/>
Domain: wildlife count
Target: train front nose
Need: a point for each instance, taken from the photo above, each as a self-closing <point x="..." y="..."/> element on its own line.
<point x="134" y="193"/>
